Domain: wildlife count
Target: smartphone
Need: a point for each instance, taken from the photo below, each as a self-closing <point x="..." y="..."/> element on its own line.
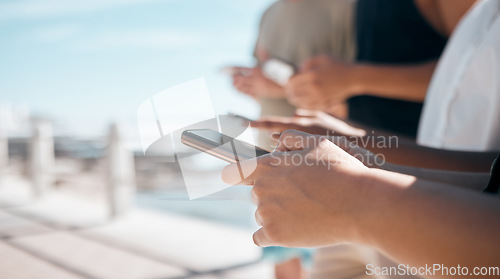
<point x="278" y="71"/>
<point x="235" y="115"/>
<point x="220" y="146"/>
<point x="233" y="70"/>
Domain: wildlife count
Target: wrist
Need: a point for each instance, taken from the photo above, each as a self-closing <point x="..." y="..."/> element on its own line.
<point x="275" y="91"/>
<point x="355" y="213"/>
<point x="360" y="74"/>
<point x="383" y="192"/>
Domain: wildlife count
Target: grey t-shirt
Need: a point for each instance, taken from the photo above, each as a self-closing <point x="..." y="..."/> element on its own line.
<point x="297" y="31"/>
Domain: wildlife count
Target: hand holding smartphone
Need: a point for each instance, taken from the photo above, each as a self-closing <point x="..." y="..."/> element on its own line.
<point x="274" y="69"/>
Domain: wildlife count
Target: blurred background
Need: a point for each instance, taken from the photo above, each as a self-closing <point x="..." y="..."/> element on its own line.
<point x="78" y="199"/>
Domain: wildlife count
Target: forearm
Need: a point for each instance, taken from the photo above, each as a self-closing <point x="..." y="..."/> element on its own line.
<point x="408" y="82"/>
<point x="473" y="181"/>
<point x="411" y="154"/>
<point x="419" y="222"/>
<point x="403" y="151"/>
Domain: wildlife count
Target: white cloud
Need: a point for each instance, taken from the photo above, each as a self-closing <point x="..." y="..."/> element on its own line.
<point x="21" y="9"/>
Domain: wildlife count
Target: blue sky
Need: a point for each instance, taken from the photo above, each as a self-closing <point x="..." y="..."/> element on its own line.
<point x="86" y="63"/>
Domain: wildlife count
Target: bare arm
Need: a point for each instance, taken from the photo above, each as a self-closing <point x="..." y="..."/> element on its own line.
<point x="421" y="222"/>
<point x="394" y="148"/>
<point x="323" y="82"/>
<point x="410" y="82"/>
<point x="470" y="180"/>
<point x="402" y="151"/>
<point x="407" y="82"/>
<point x="476" y="181"/>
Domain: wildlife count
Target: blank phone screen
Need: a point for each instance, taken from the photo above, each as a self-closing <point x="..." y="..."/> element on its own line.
<point x="219" y="139"/>
<point x="212" y="136"/>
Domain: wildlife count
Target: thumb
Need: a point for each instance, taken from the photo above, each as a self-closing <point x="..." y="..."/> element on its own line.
<point x="261" y="239"/>
<point x="256" y="71"/>
<point x="244" y="71"/>
<point x="315" y="63"/>
<point x="292" y="140"/>
<point x="240" y="173"/>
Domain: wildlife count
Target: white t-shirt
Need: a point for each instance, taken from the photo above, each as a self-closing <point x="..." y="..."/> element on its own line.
<point x="462" y="106"/>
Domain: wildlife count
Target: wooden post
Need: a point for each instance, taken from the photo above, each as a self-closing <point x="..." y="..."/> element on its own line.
<point x="121" y="174"/>
<point x="41" y="157"/>
<point x="4" y="142"/>
<point x="4" y="146"/>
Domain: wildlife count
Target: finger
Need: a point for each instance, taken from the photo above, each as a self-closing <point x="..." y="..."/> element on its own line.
<point x="306" y="113"/>
<point x="241" y="70"/>
<point x="248" y="90"/>
<point x="256" y="71"/>
<point x="255" y="199"/>
<point x="275" y="128"/>
<point x="271" y="121"/>
<point x="276" y="136"/>
<point x="233" y="174"/>
<point x="292" y="140"/>
<point x="303" y="101"/>
<point x="364" y="155"/>
<point x="244" y="172"/>
<point x="314" y="63"/>
<point x="258" y="218"/>
<point x="266" y="124"/>
<point x="298" y="98"/>
<point x="300" y="94"/>
<point x="300" y="79"/>
<point x="240" y="82"/>
<point x="343" y="143"/>
<point x="261" y="239"/>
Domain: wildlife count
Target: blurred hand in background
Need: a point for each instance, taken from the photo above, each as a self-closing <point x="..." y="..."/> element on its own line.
<point x="312" y="122"/>
<point x="252" y="82"/>
<point x="321" y="83"/>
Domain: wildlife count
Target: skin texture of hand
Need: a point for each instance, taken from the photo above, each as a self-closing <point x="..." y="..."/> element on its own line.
<point x="321" y="83"/>
<point x="251" y="82"/>
<point x="294" y="207"/>
<point x="312" y="122"/>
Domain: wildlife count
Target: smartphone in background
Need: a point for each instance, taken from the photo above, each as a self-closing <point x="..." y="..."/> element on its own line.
<point x="221" y="146"/>
<point x="235" y="115"/>
<point x="233" y="70"/>
<point x="278" y="71"/>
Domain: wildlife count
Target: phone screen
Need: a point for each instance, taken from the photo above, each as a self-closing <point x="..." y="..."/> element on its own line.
<point x="220" y="145"/>
<point x="212" y="136"/>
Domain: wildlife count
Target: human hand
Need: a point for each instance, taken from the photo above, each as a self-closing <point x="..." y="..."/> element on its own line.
<point x="252" y="82"/>
<point x="312" y="122"/>
<point x="321" y="83"/>
<point x="306" y="192"/>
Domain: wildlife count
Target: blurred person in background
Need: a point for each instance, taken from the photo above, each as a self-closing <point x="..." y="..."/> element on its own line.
<point x="294" y="31"/>
<point x="398" y="45"/>
<point x="460" y="128"/>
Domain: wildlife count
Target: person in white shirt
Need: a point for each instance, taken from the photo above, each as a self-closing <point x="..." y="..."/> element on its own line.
<point x="460" y="126"/>
<point x="462" y="106"/>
